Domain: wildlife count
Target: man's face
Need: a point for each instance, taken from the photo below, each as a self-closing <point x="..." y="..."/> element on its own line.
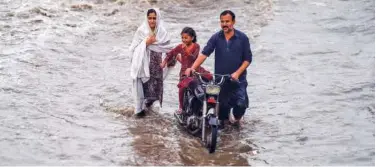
<point x="227" y="23"/>
<point x="152" y="20"/>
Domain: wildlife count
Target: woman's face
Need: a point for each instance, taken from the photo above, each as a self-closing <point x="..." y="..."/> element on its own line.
<point x="186" y="38"/>
<point x="152" y="20"/>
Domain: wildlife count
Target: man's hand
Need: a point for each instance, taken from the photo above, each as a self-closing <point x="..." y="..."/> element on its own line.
<point x="235" y="76"/>
<point x="150" y="40"/>
<point x="200" y="59"/>
<point x="188" y="72"/>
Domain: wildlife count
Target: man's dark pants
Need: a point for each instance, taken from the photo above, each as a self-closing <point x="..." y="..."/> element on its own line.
<point x="233" y="95"/>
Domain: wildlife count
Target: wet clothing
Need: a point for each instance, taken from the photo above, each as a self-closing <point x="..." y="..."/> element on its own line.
<point x="153" y="88"/>
<point x="145" y="68"/>
<point x="188" y="57"/>
<point x="229" y="56"/>
<point x="233" y="95"/>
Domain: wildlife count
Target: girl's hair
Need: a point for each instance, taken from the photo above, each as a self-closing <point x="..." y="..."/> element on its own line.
<point x="190" y="32"/>
<point x="151" y="11"/>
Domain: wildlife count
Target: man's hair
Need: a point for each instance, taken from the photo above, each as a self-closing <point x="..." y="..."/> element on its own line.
<point x="190" y="32"/>
<point x="228" y="12"/>
<point x="151" y="11"/>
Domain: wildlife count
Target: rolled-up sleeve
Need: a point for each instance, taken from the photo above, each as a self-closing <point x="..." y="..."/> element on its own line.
<point x="247" y="53"/>
<point x="210" y="46"/>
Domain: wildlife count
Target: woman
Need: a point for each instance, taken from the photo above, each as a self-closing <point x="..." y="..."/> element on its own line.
<point x="149" y="43"/>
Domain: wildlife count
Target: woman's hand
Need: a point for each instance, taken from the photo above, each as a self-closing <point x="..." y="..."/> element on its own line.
<point x="150" y="40"/>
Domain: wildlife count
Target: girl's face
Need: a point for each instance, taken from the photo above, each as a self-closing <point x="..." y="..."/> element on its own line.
<point x="152" y="20"/>
<point x="186" y="38"/>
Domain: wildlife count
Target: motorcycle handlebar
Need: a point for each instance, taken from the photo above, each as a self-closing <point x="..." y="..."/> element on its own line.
<point x="215" y="76"/>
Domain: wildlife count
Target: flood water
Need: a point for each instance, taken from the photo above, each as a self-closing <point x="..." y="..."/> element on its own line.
<point x="65" y="91"/>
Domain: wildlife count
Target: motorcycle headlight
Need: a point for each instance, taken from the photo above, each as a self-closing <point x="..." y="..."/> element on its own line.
<point x="213" y="89"/>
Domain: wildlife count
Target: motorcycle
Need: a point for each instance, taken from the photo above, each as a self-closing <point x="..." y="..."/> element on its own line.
<point x="201" y="107"/>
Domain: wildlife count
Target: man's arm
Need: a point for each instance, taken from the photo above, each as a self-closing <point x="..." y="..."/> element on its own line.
<point x="240" y="70"/>
<point x="247" y="59"/>
<point x="200" y="59"/>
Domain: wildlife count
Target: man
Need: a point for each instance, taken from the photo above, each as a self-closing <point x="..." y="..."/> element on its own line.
<point x="232" y="56"/>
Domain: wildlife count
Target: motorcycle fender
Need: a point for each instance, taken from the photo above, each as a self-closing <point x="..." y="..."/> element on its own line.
<point x="213" y="121"/>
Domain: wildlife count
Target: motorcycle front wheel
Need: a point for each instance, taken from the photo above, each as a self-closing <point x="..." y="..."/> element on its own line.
<point x="211" y="139"/>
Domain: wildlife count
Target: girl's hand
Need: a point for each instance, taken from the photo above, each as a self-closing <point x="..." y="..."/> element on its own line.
<point x="163" y="64"/>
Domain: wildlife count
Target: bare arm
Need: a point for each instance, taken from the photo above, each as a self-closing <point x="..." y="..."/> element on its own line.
<point x="200" y="59"/>
<point x="247" y="59"/>
<point x="240" y="70"/>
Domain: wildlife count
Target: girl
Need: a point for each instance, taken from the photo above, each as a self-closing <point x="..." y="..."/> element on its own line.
<point x="188" y="51"/>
